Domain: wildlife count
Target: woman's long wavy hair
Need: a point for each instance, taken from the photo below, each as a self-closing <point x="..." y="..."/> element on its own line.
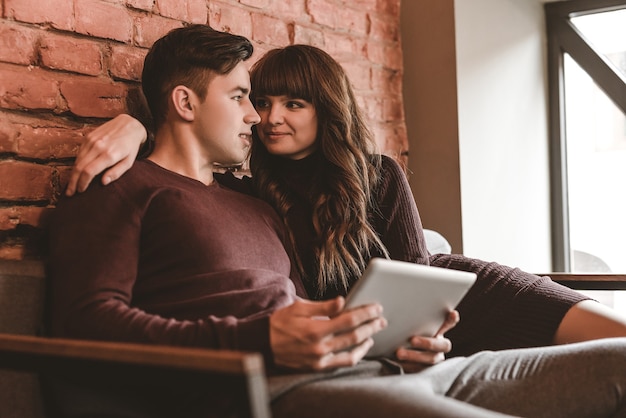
<point x="344" y="196"/>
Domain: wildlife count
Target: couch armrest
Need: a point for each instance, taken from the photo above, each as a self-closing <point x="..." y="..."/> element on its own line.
<point x="41" y="354"/>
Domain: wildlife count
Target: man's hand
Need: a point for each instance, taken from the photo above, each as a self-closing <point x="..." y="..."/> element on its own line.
<point x="318" y="335"/>
<point x="430" y="350"/>
<point x="113" y="146"/>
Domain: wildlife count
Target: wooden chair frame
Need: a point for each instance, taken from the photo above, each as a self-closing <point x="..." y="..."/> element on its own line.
<point x="41" y="354"/>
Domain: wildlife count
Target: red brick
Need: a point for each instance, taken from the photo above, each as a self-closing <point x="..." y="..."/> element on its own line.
<point x="322" y="12"/>
<point x="387" y="55"/>
<point x="308" y="36"/>
<point x="126" y="62"/>
<point x="259" y="51"/>
<point x="393" y="109"/>
<point x="104" y="20"/>
<point x="71" y="54"/>
<point x="59" y="14"/>
<point x="94" y="97"/>
<point x="369" y="5"/>
<point x="198" y="11"/>
<point x="359" y="75"/>
<point x="294" y="10"/>
<point x="11" y="217"/>
<point x="6" y="140"/>
<point x="25" y="181"/>
<point x="330" y="14"/>
<point x="372" y="107"/>
<point x="64" y="176"/>
<point x="37" y="138"/>
<point x="28" y="87"/>
<point x="259" y="4"/>
<point x="394" y="142"/>
<point x="17" y="43"/>
<point x="151" y="27"/>
<point x="175" y="9"/>
<point x="387" y="81"/>
<point x="380" y="135"/>
<point x="230" y="19"/>
<point x="384" y="29"/>
<point x="341" y="46"/>
<point x="389" y="8"/>
<point x="146" y="5"/>
<point x="194" y="11"/>
<point x="269" y="30"/>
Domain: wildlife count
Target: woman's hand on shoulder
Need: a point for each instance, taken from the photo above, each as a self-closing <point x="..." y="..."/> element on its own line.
<point x="113" y="147"/>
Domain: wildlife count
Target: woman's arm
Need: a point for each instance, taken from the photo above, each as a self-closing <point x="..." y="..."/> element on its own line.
<point x="398" y="222"/>
<point x="113" y="147"/>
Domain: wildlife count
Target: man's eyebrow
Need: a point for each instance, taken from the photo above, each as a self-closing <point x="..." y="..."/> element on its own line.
<point x="244" y="90"/>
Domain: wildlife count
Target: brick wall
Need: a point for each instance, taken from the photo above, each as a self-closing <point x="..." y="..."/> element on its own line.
<point x="68" y="65"/>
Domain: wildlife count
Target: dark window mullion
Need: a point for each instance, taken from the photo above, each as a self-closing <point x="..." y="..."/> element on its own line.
<point x="612" y="82"/>
<point x="565" y="9"/>
<point x="558" y="161"/>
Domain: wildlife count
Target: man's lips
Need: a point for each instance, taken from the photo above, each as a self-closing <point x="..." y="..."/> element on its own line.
<point x="246" y="137"/>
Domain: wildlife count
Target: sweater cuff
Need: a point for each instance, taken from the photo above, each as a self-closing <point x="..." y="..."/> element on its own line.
<point x="254" y="335"/>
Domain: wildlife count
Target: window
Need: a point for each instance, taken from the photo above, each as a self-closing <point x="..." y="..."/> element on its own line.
<point x="587" y="79"/>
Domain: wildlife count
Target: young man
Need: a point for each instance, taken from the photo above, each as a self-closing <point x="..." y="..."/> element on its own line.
<point x="169" y="256"/>
<point x="166" y="255"/>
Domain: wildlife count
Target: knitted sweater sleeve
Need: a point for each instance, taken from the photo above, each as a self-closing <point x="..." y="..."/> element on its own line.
<point x="398" y="222"/>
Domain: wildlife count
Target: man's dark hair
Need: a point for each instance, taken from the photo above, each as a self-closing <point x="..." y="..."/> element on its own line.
<point x="189" y="56"/>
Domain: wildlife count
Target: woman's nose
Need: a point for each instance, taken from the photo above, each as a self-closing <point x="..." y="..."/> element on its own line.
<point x="275" y="116"/>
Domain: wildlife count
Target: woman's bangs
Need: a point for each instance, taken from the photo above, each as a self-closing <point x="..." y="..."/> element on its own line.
<point x="283" y="75"/>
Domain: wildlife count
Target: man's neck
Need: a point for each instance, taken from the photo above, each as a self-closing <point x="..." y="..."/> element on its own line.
<point x="178" y="152"/>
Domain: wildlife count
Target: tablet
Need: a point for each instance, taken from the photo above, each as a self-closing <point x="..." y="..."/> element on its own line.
<point x="415" y="299"/>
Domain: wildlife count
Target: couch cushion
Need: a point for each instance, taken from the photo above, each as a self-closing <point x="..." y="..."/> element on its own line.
<point x="22" y="297"/>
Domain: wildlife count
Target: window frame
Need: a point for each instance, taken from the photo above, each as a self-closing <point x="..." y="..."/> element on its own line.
<point x="564" y="38"/>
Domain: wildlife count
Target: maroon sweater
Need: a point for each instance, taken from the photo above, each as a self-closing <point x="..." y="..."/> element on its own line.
<point x="506" y="308"/>
<point x="157" y="257"/>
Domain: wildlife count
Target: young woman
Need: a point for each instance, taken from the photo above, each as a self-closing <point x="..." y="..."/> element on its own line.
<point x="313" y="160"/>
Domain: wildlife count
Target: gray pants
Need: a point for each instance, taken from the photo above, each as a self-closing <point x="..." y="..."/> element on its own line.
<point x="576" y="380"/>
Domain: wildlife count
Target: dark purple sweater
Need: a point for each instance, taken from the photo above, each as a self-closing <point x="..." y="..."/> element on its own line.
<point x="157" y="257"/>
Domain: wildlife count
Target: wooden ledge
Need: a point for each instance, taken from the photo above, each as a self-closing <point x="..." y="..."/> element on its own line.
<point x="590" y="281"/>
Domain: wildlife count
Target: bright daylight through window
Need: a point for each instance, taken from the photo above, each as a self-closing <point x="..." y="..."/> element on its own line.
<point x="587" y="78"/>
<point x="587" y="73"/>
<point x="596" y="151"/>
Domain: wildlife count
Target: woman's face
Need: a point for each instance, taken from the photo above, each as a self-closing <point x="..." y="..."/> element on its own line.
<point x="288" y="126"/>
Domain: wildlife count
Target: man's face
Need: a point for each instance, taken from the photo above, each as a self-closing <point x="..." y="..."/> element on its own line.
<point x="225" y="118"/>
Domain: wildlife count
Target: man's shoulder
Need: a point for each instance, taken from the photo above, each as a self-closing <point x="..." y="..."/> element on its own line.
<point x="133" y="179"/>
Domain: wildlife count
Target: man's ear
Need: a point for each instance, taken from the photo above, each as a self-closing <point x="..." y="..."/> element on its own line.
<point x="182" y="101"/>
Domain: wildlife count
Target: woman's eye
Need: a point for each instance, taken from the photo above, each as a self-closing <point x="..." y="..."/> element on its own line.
<point x="294" y="105"/>
<point x="260" y="103"/>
